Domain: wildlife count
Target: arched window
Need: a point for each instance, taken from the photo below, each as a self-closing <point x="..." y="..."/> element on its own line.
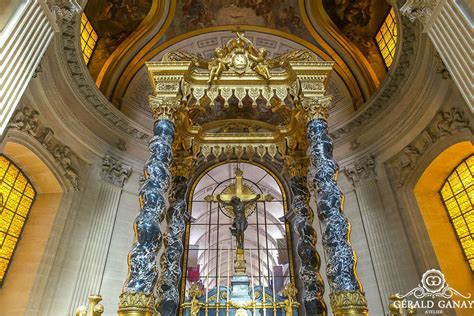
<point x="16" y="197"/>
<point x="457" y="193"/>
<point x="386" y="38"/>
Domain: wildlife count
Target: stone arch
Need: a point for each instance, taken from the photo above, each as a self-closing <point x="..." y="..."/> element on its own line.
<point x="31" y="264"/>
<point x="442" y="236"/>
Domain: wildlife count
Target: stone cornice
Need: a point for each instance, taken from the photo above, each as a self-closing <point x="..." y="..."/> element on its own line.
<point x="91" y="97"/>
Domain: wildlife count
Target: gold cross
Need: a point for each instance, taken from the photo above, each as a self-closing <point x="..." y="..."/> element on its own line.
<point x="237" y="190"/>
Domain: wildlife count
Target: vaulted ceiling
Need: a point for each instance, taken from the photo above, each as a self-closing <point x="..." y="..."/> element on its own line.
<point x="133" y="32"/>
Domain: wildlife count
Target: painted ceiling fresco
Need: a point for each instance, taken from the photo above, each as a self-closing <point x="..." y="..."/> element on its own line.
<point x="113" y="20"/>
<point x="358" y="20"/>
<point x="276" y="14"/>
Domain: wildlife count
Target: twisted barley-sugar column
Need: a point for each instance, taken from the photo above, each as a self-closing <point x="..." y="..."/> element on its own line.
<point x="346" y="296"/>
<point x="168" y="294"/>
<point x="137" y="298"/>
<point x="313" y="285"/>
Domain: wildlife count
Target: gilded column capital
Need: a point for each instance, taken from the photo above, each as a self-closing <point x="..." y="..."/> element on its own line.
<point x="164" y="108"/>
<point x="316" y="108"/>
<point x="296" y="166"/>
<point x="348" y="303"/>
<point x="136" y="304"/>
<point x="361" y="170"/>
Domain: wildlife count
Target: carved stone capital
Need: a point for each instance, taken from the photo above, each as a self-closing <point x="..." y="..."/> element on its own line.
<point x="296" y="166"/>
<point x="164" y="108"/>
<point x="348" y="303"/>
<point x="114" y="172"/>
<point x="361" y="170"/>
<point x="136" y="304"/>
<point x="316" y="108"/>
<point x="64" y="10"/>
<point x="421" y="10"/>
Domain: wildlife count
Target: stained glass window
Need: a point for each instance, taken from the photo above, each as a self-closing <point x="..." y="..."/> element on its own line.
<point x="386" y="38"/>
<point x="458" y="197"/>
<point x="88" y="38"/>
<point x="16" y="197"/>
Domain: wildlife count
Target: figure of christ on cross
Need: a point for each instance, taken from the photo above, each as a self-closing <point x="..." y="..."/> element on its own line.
<point x="239" y="201"/>
<point x="240" y="224"/>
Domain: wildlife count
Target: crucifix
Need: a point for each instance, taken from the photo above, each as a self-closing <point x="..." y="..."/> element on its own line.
<point x="238" y="200"/>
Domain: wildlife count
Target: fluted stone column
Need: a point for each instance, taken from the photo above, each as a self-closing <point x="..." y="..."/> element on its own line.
<point x="168" y="286"/>
<point x="113" y="176"/>
<point x="137" y="297"/>
<point x="313" y="285"/>
<point x="346" y="294"/>
<point x="363" y="177"/>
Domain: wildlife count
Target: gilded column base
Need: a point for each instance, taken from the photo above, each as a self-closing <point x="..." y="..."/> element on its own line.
<point x="348" y="303"/>
<point x="136" y="304"/>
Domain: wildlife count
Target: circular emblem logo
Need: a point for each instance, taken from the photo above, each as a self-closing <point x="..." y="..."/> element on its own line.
<point x="433" y="281"/>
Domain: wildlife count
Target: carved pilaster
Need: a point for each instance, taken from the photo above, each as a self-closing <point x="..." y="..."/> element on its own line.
<point x="374" y="220"/>
<point x="100" y="231"/>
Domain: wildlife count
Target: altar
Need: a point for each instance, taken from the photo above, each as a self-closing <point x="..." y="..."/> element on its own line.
<point x="241" y="300"/>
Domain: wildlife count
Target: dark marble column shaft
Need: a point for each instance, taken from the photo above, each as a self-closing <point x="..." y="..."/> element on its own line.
<point x="313" y="284"/>
<point x="168" y="291"/>
<point x="346" y="291"/>
<point x="143" y="272"/>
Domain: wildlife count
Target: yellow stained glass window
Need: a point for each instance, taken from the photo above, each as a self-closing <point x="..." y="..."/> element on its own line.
<point x="386" y="38"/>
<point x="458" y="198"/>
<point x="88" y="38"/>
<point x="16" y="197"/>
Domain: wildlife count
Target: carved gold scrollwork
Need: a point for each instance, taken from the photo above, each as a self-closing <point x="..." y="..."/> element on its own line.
<point x="296" y="165"/>
<point x="348" y="303"/>
<point x="136" y="304"/>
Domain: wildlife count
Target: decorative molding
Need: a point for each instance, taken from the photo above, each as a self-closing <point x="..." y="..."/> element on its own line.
<point x="361" y="170"/>
<point x="390" y="87"/>
<point x="441" y="67"/>
<point x="92" y="97"/>
<point x="444" y="123"/>
<point x="26" y="121"/>
<point x="421" y="10"/>
<point x="114" y="172"/>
